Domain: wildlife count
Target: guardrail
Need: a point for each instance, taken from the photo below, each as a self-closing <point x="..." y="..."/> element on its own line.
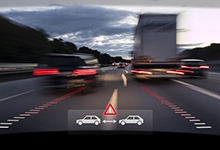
<point x="12" y="68"/>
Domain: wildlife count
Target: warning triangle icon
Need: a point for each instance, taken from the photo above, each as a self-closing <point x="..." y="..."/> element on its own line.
<point x="110" y="110"/>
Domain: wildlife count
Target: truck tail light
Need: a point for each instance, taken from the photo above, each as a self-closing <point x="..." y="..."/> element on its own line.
<point x="142" y="72"/>
<point x="85" y="72"/>
<point x="46" y="71"/>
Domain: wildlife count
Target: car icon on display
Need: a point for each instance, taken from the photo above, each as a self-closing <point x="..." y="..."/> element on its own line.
<point x="89" y="119"/>
<point x="132" y="119"/>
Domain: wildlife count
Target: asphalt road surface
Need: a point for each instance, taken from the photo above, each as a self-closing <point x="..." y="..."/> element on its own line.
<point x="185" y="105"/>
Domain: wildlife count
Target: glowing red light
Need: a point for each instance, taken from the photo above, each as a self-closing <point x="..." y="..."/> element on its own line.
<point x="187" y="67"/>
<point x="203" y="67"/>
<point x="142" y="72"/>
<point x="185" y="71"/>
<point x="175" y="72"/>
<point x="84" y="72"/>
<point x="46" y="71"/>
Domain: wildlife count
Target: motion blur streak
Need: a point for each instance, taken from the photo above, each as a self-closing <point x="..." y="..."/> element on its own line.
<point x="176" y="111"/>
<point x="84" y="72"/>
<point x="204" y="67"/>
<point x="142" y="72"/>
<point x="45" y="71"/>
<point x="29" y="113"/>
<point x="186" y="71"/>
<point x="175" y="72"/>
<point x="187" y="67"/>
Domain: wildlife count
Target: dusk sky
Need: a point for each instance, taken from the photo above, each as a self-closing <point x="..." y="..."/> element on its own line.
<point x="110" y="28"/>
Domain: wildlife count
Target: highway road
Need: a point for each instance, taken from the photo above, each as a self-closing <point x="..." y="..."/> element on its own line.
<point x="183" y="105"/>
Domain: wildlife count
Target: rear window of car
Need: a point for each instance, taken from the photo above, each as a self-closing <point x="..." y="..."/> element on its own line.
<point x="61" y="61"/>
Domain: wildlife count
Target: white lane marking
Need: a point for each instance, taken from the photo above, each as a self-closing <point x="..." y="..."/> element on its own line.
<point x="126" y="71"/>
<point x="180" y="112"/>
<point x="199" y="89"/>
<point x="114" y="98"/>
<point x="31" y="112"/>
<point x="19" y="117"/>
<point x="199" y="123"/>
<point x="5" y="123"/>
<point x="114" y="101"/>
<point x="192" y="120"/>
<point x="124" y="79"/>
<point x="6" y="98"/>
<point x="203" y="127"/>
<point x="24" y="114"/>
<point x="3" y="127"/>
<point x="185" y="114"/>
<point x="13" y="120"/>
<point x="190" y="117"/>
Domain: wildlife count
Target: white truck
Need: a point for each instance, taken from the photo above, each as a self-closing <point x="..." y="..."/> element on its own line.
<point x="155" y="52"/>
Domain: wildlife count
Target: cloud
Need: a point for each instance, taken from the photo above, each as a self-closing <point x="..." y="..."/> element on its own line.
<point x="96" y="27"/>
<point x="73" y="19"/>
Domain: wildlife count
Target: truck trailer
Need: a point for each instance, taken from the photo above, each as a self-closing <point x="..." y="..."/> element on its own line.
<point x="155" y="51"/>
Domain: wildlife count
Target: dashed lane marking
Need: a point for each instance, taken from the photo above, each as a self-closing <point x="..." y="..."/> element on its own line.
<point x="36" y="110"/>
<point x="124" y="79"/>
<point x="198" y="124"/>
<point x="4" y="127"/>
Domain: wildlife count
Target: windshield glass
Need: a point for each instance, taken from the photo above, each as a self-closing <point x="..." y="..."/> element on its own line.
<point x="94" y="67"/>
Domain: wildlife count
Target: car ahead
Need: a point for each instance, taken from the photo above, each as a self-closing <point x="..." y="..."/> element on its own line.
<point x="121" y="65"/>
<point x="193" y="67"/>
<point x="89" y="119"/>
<point x="132" y="119"/>
<point x="68" y="70"/>
<point x="114" y="64"/>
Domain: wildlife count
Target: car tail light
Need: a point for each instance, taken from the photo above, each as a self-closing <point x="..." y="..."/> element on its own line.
<point x="142" y="72"/>
<point x="186" y="67"/>
<point x="46" y="71"/>
<point x="85" y="72"/>
<point x="204" y="67"/>
<point x="175" y="72"/>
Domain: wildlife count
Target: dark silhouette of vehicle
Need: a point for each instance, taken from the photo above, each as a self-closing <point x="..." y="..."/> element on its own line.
<point x="68" y="70"/>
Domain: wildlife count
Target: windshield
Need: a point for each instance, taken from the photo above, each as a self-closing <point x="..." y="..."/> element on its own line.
<point x="131" y="67"/>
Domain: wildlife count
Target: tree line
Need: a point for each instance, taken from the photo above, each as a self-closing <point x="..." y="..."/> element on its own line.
<point x="211" y="52"/>
<point x="23" y="44"/>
